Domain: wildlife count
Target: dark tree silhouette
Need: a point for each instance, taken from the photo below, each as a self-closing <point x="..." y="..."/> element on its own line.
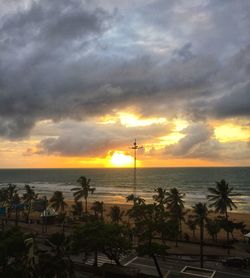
<point x="200" y="217"/>
<point x="220" y="198"/>
<point x="83" y="191"/>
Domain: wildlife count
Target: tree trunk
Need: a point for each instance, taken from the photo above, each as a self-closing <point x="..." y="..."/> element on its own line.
<point x="157" y="266"/>
<point x="28" y="214"/>
<point x="86" y="205"/>
<point x="201" y="242"/>
<point x="180" y="226"/>
<point x="228" y="249"/>
<point x="95" y="258"/>
<point x="213" y="237"/>
<point x="117" y="261"/>
<point x="16" y="220"/>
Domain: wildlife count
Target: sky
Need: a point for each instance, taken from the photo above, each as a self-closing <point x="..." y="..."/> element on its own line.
<point x="81" y="79"/>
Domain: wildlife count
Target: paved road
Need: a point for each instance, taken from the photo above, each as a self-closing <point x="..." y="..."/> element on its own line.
<point x="174" y="264"/>
<point x="102" y="259"/>
<point x="146" y="265"/>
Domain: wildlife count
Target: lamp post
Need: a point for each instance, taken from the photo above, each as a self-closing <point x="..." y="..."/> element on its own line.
<point x="135" y="147"/>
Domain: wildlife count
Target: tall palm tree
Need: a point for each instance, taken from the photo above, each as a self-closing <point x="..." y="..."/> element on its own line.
<point x="16" y="206"/>
<point x="44" y="222"/>
<point x="28" y="197"/>
<point x="83" y="191"/>
<point x="57" y="201"/>
<point x="220" y="199"/>
<point x="160" y="196"/>
<point x="135" y="199"/>
<point x="213" y="227"/>
<point x="77" y="208"/>
<point x="175" y="204"/>
<point x="11" y="191"/>
<point x="200" y="217"/>
<point x="192" y="226"/>
<point x="98" y="208"/>
<point x="3" y="197"/>
<point x="116" y="214"/>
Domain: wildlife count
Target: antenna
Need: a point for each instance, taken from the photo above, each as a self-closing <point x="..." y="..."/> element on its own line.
<point x="135" y="147"/>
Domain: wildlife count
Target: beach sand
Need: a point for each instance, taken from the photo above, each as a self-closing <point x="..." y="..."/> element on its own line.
<point x="183" y="247"/>
<point x="234" y="216"/>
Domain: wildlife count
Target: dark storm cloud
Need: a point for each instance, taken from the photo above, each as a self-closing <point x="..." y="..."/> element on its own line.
<point x="231" y="86"/>
<point x="195" y="135"/>
<point x="97" y="140"/>
<point x="39" y="77"/>
<point x="200" y="143"/>
<point x="235" y="104"/>
<point x="10" y="128"/>
<point x="77" y="59"/>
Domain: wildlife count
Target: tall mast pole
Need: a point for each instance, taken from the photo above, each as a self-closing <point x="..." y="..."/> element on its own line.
<point x="135" y="147"/>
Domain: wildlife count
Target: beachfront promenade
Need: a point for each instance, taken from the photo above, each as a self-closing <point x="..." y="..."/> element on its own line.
<point x="171" y="263"/>
<point x="156" y="237"/>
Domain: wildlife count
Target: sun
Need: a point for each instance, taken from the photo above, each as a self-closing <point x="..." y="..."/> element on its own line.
<point x="119" y="159"/>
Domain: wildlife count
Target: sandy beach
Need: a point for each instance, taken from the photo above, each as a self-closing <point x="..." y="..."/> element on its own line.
<point x="192" y="247"/>
<point x="234" y="216"/>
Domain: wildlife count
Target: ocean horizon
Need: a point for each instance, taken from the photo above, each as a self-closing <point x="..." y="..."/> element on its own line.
<point x="114" y="184"/>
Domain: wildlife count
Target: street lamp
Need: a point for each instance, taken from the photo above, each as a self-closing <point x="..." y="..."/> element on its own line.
<point x="135" y="147"/>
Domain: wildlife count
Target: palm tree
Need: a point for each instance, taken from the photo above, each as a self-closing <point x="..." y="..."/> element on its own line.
<point x="28" y="197"/>
<point x="55" y="261"/>
<point x="220" y="199"/>
<point x="83" y="191"/>
<point x="192" y="226"/>
<point x="98" y="208"/>
<point x="77" y="208"/>
<point x="57" y="201"/>
<point x="11" y="191"/>
<point x="135" y="199"/>
<point x="116" y="214"/>
<point x="213" y="227"/>
<point x="175" y="204"/>
<point x="200" y="217"/>
<point x="147" y="224"/>
<point x="89" y="238"/>
<point x="16" y="206"/>
<point x="44" y="222"/>
<point x="3" y="196"/>
<point x="160" y="196"/>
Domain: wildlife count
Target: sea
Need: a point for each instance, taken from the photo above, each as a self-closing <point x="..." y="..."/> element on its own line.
<point x="114" y="184"/>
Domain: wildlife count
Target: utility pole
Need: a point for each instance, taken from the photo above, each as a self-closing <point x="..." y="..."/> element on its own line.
<point x="135" y="147"/>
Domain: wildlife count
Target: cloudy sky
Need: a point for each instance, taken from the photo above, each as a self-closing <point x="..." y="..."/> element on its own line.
<point x="80" y="79"/>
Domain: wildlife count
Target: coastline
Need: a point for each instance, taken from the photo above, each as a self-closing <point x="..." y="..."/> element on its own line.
<point x="114" y="184"/>
<point x="233" y="215"/>
<point x="190" y="246"/>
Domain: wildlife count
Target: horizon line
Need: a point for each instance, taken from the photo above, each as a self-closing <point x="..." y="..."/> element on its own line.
<point x="151" y="167"/>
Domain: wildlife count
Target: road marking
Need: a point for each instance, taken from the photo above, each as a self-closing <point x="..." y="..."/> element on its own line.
<point x="129" y="262"/>
<point x="145" y="263"/>
<point x="102" y="259"/>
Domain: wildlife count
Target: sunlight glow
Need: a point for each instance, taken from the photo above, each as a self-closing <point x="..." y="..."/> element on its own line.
<point x="131" y="120"/>
<point x="231" y="133"/>
<point x="171" y="138"/>
<point x="119" y="159"/>
<point x="180" y="124"/>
